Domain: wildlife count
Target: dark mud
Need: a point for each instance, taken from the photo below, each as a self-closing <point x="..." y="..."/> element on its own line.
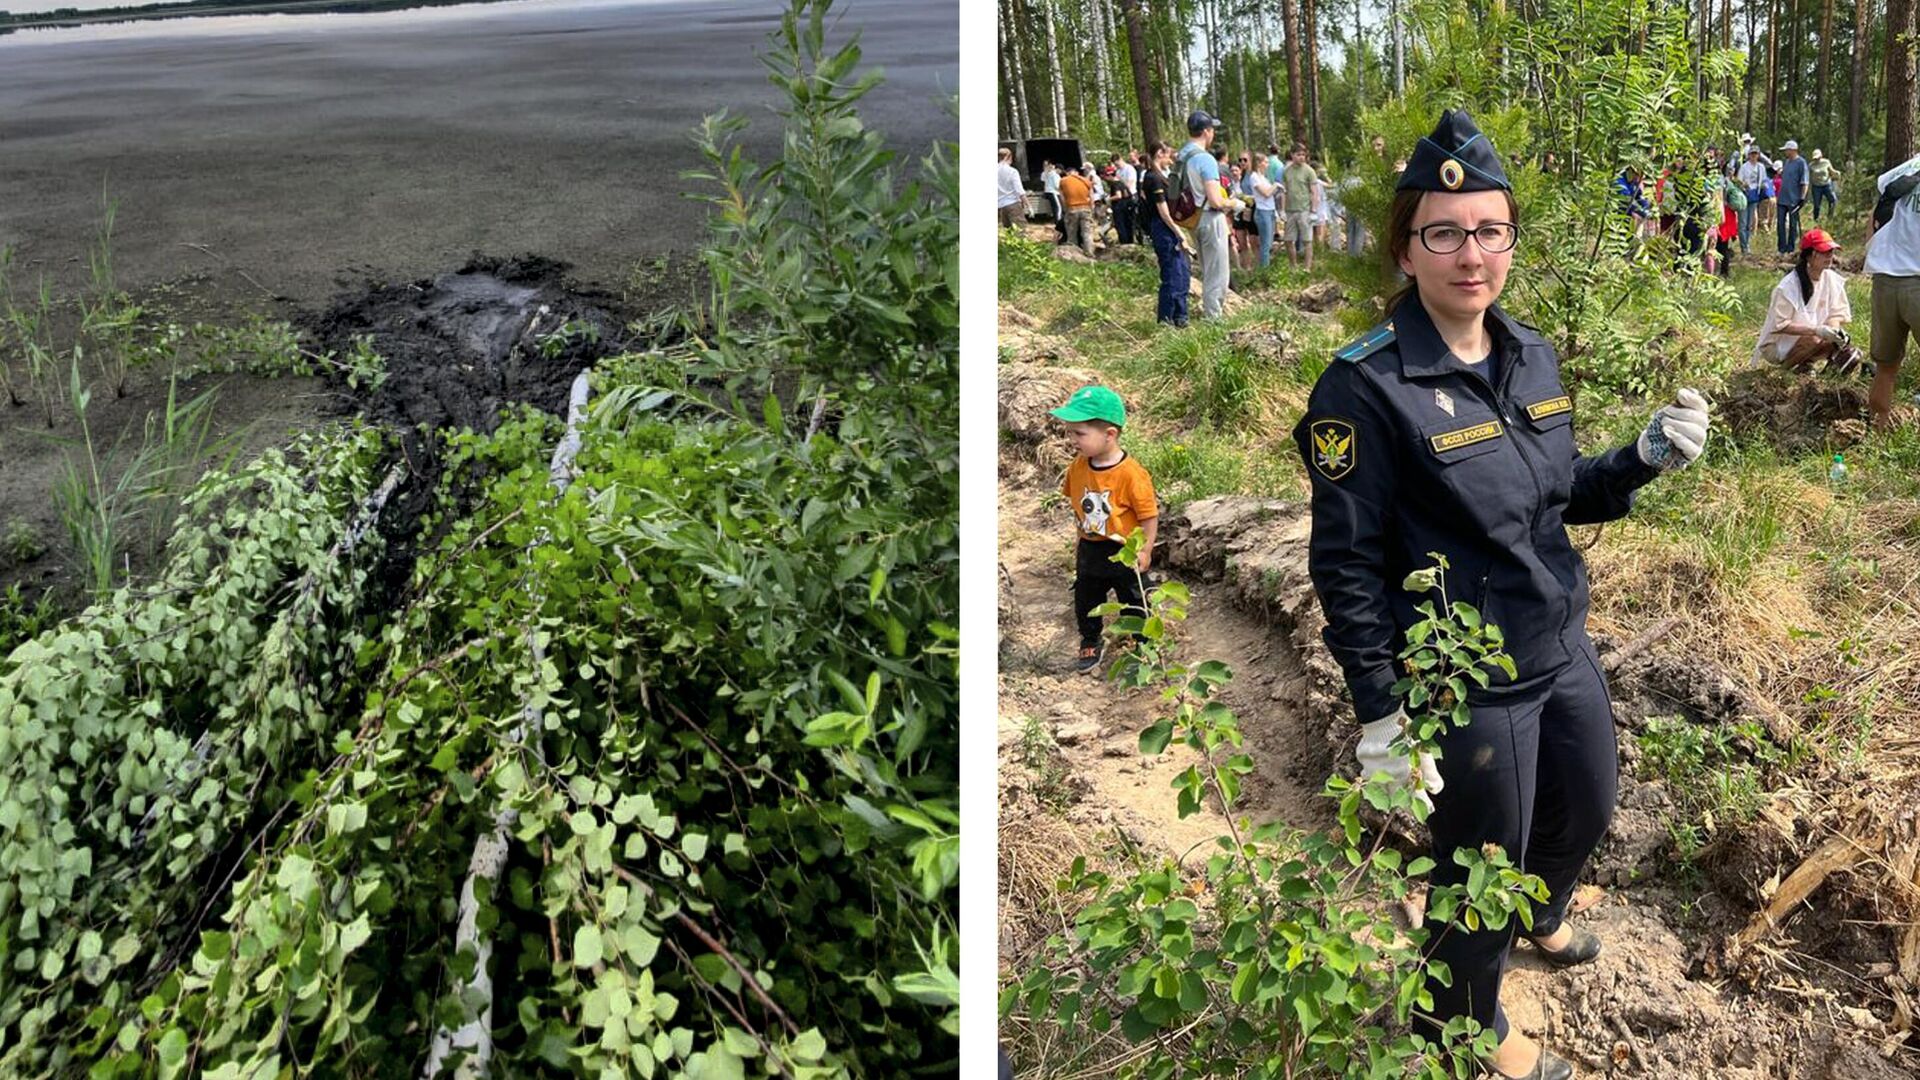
<point x="461" y="350"/>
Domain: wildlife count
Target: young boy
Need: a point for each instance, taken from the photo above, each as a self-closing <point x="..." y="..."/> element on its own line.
<point x="1109" y="493"/>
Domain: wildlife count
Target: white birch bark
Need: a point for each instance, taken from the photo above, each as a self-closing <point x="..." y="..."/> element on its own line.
<point x="475" y="1037"/>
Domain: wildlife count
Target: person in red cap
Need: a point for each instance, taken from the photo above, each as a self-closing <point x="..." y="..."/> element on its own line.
<point x="1808" y="313"/>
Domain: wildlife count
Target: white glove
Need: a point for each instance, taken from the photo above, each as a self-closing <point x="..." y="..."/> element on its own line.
<point x="1830" y="333"/>
<point x="1677" y="433"/>
<point x="1376" y="756"/>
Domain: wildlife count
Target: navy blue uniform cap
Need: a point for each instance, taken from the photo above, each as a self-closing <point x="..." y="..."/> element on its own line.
<point x="1457" y="157"/>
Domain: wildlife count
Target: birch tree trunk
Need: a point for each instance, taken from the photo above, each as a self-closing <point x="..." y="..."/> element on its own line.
<point x="1240" y="58"/>
<point x="1022" y="120"/>
<point x="1266" y="70"/>
<point x="1103" y="107"/>
<point x="1213" y="57"/>
<point x="1054" y="74"/>
<point x="1399" y="49"/>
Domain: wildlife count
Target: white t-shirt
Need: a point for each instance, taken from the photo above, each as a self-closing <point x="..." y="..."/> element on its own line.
<point x="1127" y="177"/>
<point x="1895" y="248"/>
<point x="1325" y="213"/>
<point x="1784" y="307"/>
<point x="1010" y="190"/>
<point x="1050" y="182"/>
<point x="1263" y="191"/>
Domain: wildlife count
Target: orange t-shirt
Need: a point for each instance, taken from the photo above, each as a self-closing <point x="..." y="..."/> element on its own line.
<point x="1108" y="503"/>
<point x="1076" y="192"/>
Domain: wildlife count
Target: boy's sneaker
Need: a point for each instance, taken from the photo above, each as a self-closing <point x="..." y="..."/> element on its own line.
<point x="1089" y="658"/>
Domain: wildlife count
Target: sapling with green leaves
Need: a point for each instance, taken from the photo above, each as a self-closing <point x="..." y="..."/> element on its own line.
<point x="1278" y="955"/>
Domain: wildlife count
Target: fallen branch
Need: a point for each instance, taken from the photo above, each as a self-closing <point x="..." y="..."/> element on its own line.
<point x="475" y="1037"/>
<point x="1840" y="853"/>
<point x="1613" y="660"/>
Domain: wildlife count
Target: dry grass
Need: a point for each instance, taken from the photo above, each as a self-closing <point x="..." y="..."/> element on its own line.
<point x="1812" y="603"/>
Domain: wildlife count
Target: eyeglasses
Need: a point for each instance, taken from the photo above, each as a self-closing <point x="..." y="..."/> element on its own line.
<point x="1446" y="238"/>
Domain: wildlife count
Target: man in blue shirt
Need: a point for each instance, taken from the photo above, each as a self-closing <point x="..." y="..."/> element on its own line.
<point x="1794" y="185"/>
<point x="1196" y="168"/>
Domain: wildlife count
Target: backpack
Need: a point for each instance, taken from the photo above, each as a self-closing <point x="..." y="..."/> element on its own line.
<point x="1899" y="189"/>
<point x="1184" y="210"/>
<point x="1736" y="198"/>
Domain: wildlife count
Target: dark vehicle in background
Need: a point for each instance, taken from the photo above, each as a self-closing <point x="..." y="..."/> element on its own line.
<point x="1030" y="156"/>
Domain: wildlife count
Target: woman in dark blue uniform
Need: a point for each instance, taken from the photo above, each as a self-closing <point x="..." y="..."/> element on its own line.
<point x="1447" y="429"/>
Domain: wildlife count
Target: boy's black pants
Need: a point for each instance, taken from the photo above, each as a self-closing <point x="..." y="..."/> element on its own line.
<point x="1094" y="576"/>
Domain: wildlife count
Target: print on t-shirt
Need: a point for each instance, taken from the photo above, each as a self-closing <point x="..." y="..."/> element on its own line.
<point x="1096" y="509"/>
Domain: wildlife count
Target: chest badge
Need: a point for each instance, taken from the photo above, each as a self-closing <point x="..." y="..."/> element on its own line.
<point x="1333" y="448"/>
<point x="1441" y="399"/>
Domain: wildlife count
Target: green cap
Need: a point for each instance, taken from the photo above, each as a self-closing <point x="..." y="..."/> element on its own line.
<point x="1094" y="403"/>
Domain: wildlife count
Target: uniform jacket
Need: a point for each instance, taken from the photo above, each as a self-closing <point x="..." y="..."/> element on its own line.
<point x="1412" y="451"/>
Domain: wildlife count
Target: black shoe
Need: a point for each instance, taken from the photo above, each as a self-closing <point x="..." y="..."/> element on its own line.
<point x="1583" y="948"/>
<point x="1551" y="1066"/>
<point x="1089" y="658"/>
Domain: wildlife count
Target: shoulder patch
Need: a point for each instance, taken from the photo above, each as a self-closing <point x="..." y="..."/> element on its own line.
<point x="1369" y="343"/>
<point x="1334" y="447"/>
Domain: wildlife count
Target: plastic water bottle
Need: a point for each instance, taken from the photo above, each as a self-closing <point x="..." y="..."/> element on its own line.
<point x="1837" y="475"/>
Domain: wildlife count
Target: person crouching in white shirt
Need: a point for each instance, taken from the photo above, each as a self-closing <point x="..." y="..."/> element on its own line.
<point x="1808" y="313"/>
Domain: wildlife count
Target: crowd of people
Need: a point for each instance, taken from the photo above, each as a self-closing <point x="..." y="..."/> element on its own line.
<point x="1267" y="199"/>
<point x="1208" y="211"/>
<point x="1705" y="207"/>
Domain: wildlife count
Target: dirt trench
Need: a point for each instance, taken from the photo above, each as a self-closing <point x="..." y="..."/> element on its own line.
<point x="1658" y="1002"/>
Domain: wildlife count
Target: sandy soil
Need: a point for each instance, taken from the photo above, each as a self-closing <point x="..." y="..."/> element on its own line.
<point x="301" y="149"/>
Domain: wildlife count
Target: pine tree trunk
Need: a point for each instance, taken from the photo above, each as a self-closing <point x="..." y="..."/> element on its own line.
<point x="1700" y="63"/>
<point x="1311" y="17"/>
<point x="1142" y="85"/>
<point x="1825" y="62"/>
<point x="1793" y="49"/>
<point x="1056" y="79"/>
<point x="1773" y="68"/>
<point x="1726" y="38"/>
<point x="1296" y="97"/>
<point x="1899" y="83"/>
<point x="1753" y="66"/>
<point x="1862" y="19"/>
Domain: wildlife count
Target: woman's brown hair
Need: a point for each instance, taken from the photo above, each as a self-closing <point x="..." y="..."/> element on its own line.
<point x="1399" y="238"/>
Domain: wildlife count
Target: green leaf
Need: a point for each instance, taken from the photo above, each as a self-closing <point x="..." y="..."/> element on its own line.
<point x="586" y="946"/>
<point x="1155" y="738"/>
<point x="172" y="1049"/>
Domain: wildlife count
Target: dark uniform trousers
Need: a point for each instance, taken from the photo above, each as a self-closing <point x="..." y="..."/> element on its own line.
<point x="1537" y="775"/>
<point x="1096" y="575"/>
<point x="1412" y="451"/>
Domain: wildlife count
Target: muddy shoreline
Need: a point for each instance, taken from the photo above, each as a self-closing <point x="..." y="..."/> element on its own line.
<point x="292" y="157"/>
